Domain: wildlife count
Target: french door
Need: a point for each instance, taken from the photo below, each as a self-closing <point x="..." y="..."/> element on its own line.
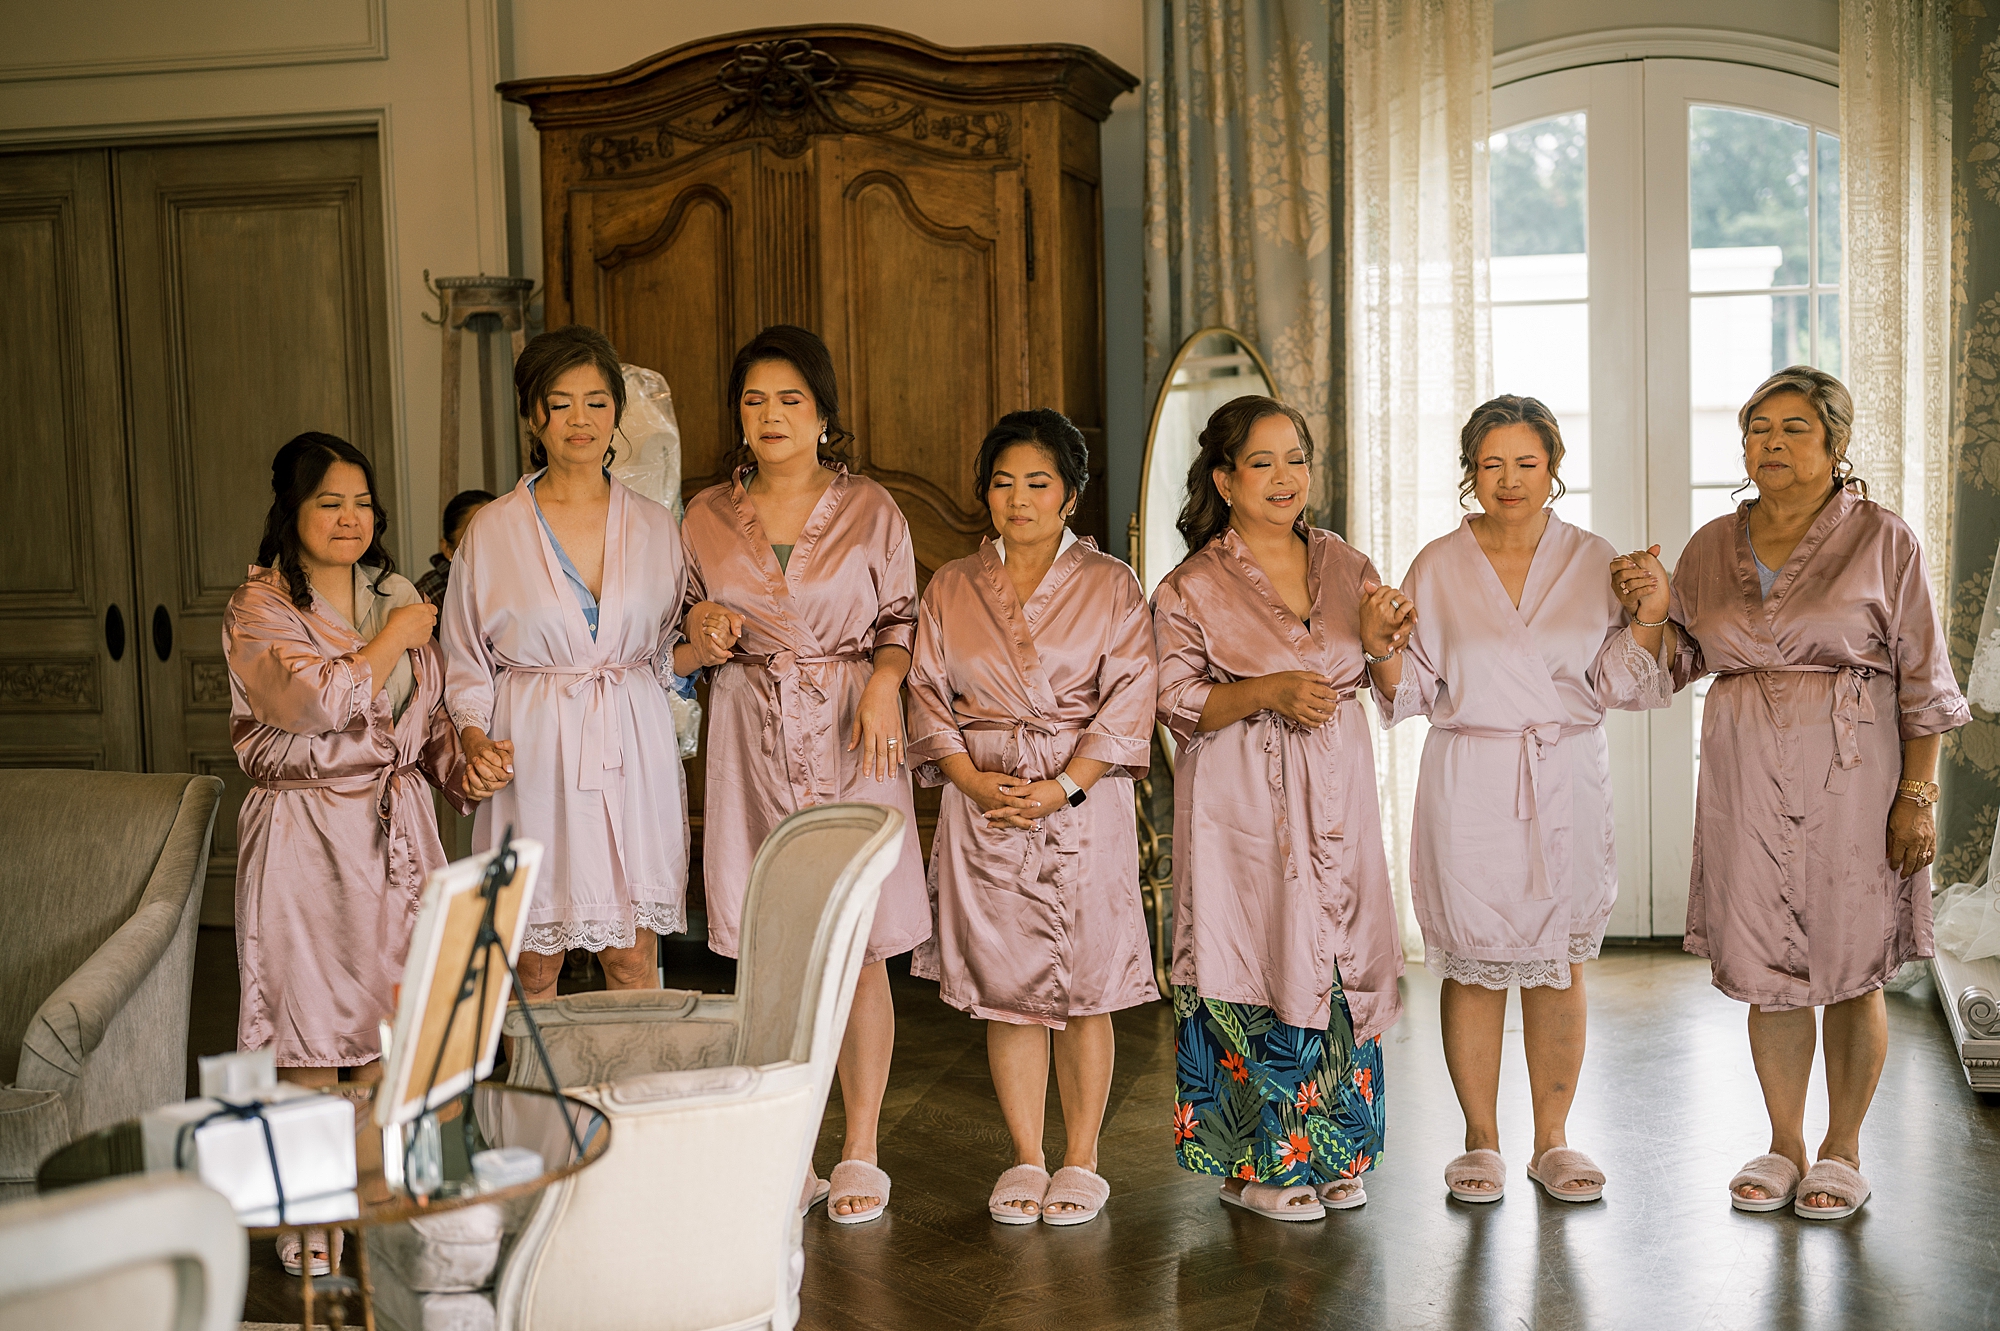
<point x="1666" y="233"/>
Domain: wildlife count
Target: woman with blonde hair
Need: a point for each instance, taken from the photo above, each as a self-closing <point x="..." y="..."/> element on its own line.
<point x="1813" y="831"/>
<point x="1522" y="648"/>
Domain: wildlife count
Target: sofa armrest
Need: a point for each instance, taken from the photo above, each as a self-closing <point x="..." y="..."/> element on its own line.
<point x="610" y="1036"/>
<point x="67" y="1028"/>
<point x="33" y="1126"/>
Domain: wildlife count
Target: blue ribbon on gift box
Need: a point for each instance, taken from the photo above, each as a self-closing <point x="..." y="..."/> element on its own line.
<point x="252" y="1110"/>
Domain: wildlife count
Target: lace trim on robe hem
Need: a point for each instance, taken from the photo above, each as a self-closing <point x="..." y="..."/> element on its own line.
<point x="1407" y="703"/>
<point x="462" y="719"/>
<point x="1538" y="973"/>
<point x="1643" y="664"/>
<point x="596" y="935"/>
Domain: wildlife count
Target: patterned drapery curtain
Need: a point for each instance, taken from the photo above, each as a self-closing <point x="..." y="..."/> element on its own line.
<point x="1895" y="131"/>
<point x="1420" y="356"/>
<point x="1971" y="767"/>
<point x="1243" y="224"/>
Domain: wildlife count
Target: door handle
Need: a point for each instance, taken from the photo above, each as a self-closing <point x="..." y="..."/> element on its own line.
<point x="163" y="632"/>
<point x="114" y="633"/>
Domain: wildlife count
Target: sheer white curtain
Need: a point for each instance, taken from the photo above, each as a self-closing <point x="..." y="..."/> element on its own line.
<point x="1420" y="353"/>
<point x="1895" y="132"/>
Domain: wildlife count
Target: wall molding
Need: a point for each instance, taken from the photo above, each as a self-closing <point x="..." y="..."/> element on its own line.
<point x="1600" y="48"/>
<point x="373" y="46"/>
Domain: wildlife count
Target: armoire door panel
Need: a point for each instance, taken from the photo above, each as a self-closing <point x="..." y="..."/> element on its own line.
<point x="66" y="700"/>
<point x="671" y="294"/>
<point x="255" y="310"/>
<point x="932" y="336"/>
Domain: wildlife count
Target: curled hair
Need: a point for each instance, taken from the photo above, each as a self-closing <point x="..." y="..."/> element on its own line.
<point x="1204" y="514"/>
<point x="296" y="473"/>
<point x="1830" y="400"/>
<point x="1507" y="409"/>
<point x="1049" y="430"/>
<point x="548" y="357"/>
<point x="801" y="349"/>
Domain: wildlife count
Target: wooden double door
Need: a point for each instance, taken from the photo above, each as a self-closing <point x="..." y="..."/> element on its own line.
<point x="176" y="313"/>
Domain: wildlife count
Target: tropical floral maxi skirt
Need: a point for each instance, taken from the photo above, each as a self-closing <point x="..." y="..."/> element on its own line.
<point x="1259" y="1100"/>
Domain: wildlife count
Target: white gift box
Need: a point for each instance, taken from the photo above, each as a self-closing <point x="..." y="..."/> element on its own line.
<point x="313" y="1135"/>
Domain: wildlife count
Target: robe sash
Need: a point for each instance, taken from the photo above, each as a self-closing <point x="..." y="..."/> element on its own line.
<point x="803" y="696"/>
<point x="1537" y="742"/>
<point x="1851" y="705"/>
<point x="603" y="747"/>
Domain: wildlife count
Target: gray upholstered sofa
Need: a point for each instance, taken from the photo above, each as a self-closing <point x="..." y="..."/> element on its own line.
<point x="100" y="887"/>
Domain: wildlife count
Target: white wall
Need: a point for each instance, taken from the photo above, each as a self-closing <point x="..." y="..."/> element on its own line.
<point x="1519" y="23"/>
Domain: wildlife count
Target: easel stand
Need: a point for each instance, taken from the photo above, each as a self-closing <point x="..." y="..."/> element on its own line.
<point x="473" y="983"/>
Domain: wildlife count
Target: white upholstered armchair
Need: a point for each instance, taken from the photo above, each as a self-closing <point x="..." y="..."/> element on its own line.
<point x="690" y="1221"/>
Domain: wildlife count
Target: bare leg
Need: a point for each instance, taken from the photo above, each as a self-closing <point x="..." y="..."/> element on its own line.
<point x="864" y="1073"/>
<point x="1019" y="1058"/>
<point x="1084" y="1054"/>
<point x="1856" y="1037"/>
<point x="316" y="1078"/>
<point x="1474" y="1018"/>
<point x="1781" y="1045"/>
<point x="539" y="972"/>
<point x="367" y="1074"/>
<point x="634" y="967"/>
<point x="1552" y="1027"/>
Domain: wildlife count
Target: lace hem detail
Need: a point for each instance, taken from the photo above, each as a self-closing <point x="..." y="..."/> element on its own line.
<point x="1408" y="702"/>
<point x="1537" y="973"/>
<point x="596" y="935"/>
<point x="1652" y="679"/>
<point x="467" y="717"/>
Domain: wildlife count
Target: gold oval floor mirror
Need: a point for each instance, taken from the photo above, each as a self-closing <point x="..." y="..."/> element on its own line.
<point x="1211" y="367"/>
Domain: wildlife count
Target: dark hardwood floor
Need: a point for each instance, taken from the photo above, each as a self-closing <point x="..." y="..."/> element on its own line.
<point x="1668" y="1107"/>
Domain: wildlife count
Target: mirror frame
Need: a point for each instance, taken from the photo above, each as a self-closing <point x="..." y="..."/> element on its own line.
<point x="1136" y="531"/>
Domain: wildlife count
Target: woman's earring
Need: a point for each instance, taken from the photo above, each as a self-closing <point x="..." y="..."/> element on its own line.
<point x="822" y="438"/>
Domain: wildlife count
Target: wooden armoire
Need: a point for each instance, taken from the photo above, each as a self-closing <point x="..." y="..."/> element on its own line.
<point x="933" y="213"/>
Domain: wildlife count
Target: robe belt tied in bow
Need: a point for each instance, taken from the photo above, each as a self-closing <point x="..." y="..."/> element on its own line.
<point x="603" y="743"/>
<point x="798" y="689"/>
<point x="387" y="783"/>
<point x="1018" y="730"/>
<point x="1850" y="706"/>
<point x="1537" y="743"/>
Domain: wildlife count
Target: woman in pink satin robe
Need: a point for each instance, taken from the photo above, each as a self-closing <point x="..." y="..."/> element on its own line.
<point x="1285" y="949"/>
<point x="1813" y="835"/>
<point x="1520" y="650"/>
<point x="336" y="715"/>
<point x="1032" y="694"/>
<point x="814" y="566"/>
<point x="563" y="607"/>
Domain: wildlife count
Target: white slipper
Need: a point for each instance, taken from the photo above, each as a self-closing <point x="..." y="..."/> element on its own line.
<point x="857" y="1178"/>
<point x="1275" y="1201"/>
<point x="1566" y="1164"/>
<point x="1334" y="1199"/>
<point x="1775" y="1174"/>
<point x="1839" y="1179"/>
<point x="1480" y="1166"/>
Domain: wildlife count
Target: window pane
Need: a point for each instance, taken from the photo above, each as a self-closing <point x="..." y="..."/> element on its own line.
<point x="1731" y="343"/>
<point x="1829" y="332"/>
<point x="1537" y="189"/>
<point x="1829" y="215"/>
<point x="1747" y="191"/>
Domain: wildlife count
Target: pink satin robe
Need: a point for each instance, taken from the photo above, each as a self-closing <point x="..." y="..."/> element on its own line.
<point x="338" y="831"/>
<point x="1036" y="927"/>
<point x="597" y="772"/>
<point x="778" y="730"/>
<point x="1512" y="866"/>
<point x="1279" y="873"/>
<point x="1792" y="898"/>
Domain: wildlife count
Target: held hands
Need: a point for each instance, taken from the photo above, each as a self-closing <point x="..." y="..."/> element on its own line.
<point x="1387" y="619"/>
<point x="1302" y="697"/>
<point x="1006" y="800"/>
<point x="1912" y="837"/>
<point x="878" y="729"/>
<point x="1639" y="580"/>
<point x="712" y="632"/>
<point x="489" y="763"/>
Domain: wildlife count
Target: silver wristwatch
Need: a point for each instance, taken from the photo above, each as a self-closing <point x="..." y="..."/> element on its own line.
<point x="1077" y="794"/>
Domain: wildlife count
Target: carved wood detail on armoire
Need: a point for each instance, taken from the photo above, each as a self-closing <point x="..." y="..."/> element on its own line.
<point x="933" y="213"/>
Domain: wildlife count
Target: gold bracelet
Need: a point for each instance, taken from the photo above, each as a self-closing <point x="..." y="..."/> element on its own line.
<point x="1922" y="793"/>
